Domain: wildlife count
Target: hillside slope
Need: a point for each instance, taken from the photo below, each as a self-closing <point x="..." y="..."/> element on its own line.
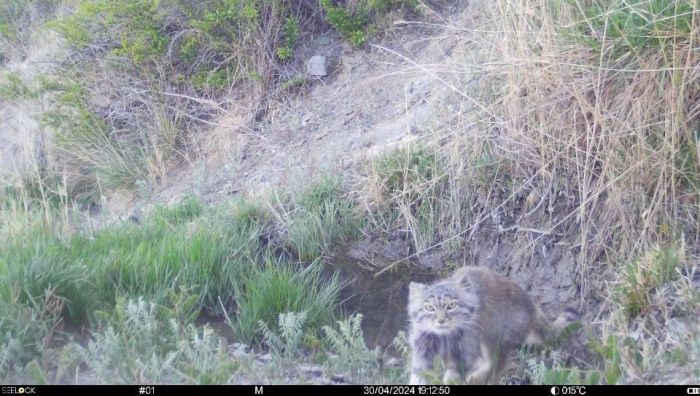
<point x="167" y="162"/>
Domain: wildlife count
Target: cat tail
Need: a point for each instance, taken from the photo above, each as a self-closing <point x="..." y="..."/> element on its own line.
<point x="552" y="334"/>
<point x="568" y="322"/>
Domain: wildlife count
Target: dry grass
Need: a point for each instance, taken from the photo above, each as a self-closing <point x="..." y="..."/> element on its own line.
<point x="615" y="132"/>
<point x="605" y="142"/>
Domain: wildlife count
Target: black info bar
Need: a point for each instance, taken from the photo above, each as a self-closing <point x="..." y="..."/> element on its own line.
<point x="354" y="390"/>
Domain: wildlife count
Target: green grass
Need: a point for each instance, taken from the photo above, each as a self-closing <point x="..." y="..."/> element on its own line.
<point x="178" y="261"/>
<point x="12" y="87"/>
<point x="634" y="27"/>
<point x="168" y="251"/>
<point x="406" y="169"/>
<point x="409" y="187"/>
<point x="44" y="277"/>
<point x="318" y="218"/>
<point x="646" y="275"/>
<point x="100" y="157"/>
<point x="279" y="287"/>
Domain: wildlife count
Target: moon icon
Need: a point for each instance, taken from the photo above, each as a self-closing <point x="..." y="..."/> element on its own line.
<point x="554" y="390"/>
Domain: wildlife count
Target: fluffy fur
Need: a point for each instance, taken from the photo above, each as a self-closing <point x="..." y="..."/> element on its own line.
<point x="471" y="321"/>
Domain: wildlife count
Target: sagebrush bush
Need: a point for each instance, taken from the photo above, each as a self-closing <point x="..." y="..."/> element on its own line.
<point x="349" y="351"/>
<point x="142" y="343"/>
<point x="286" y="341"/>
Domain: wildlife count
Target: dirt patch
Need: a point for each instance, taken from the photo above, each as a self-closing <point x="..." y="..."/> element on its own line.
<point x="373" y="100"/>
<point x="380" y="297"/>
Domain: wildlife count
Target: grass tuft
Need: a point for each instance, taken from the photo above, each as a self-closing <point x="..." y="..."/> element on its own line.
<point x="279" y="287"/>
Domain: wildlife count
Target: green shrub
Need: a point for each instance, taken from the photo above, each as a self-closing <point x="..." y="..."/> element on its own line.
<point x="648" y="273"/>
<point x="291" y="34"/>
<point x="350" y="353"/>
<point x="19" y="18"/>
<point x="357" y="25"/>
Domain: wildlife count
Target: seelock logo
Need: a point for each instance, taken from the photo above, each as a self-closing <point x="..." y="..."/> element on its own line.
<point x="18" y="390"/>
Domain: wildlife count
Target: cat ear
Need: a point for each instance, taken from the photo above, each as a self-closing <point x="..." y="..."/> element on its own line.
<point x="415" y="289"/>
<point x="465" y="281"/>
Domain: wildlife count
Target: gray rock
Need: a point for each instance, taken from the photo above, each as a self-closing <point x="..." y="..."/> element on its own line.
<point x="317" y="66"/>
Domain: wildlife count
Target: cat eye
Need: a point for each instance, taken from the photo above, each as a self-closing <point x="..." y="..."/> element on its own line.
<point x="429" y="307"/>
<point x="451" y="306"/>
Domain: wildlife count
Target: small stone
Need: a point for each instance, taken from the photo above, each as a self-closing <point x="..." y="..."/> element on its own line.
<point x="323" y="40"/>
<point x="317" y="66"/>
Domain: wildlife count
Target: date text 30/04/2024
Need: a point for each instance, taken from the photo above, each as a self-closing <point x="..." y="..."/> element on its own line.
<point x="406" y="390"/>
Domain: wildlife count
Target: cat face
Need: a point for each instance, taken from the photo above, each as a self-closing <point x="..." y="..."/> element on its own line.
<point x="442" y="308"/>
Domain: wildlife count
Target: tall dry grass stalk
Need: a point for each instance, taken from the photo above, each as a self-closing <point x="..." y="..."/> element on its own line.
<point x="563" y="131"/>
<point x="615" y="129"/>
